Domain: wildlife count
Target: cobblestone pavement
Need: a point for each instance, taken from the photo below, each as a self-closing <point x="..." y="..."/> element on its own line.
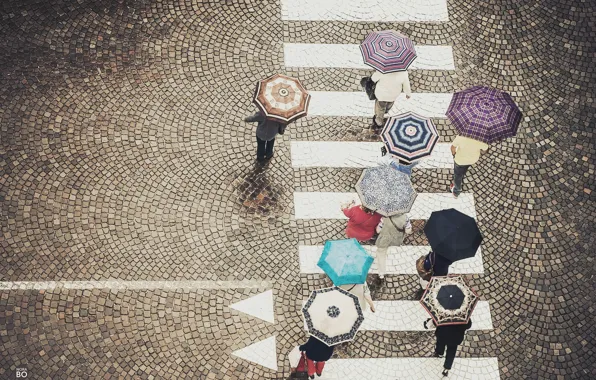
<point x="124" y="157"/>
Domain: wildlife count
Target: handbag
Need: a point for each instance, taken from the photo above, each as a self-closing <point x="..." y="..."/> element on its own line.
<point x="297" y="360"/>
<point x="423" y="273"/>
<point x="369" y="87"/>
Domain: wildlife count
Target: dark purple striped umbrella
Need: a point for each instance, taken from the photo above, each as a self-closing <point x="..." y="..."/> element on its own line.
<point x="485" y="114"/>
<point x="388" y="51"/>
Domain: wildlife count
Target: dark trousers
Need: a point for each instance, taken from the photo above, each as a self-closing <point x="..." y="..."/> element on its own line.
<point x="264" y="148"/>
<point x="459" y="171"/>
<point x="451" y="350"/>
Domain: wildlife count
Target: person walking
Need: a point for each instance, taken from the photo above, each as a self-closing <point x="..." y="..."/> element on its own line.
<point x="392" y="231"/>
<point x="466" y="152"/>
<point x="317" y="353"/>
<point x="449" y="336"/>
<point x="362" y="222"/>
<point x="361" y="291"/>
<point x="388" y="87"/>
<point x="267" y="130"/>
<point x="434" y="265"/>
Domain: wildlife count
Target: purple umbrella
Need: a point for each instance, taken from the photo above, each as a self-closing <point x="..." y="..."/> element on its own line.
<point x="485" y="114"/>
<point x="388" y="51"/>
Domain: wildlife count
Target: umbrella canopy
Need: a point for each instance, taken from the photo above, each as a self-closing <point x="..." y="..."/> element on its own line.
<point x="388" y="51"/>
<point x="386" y="190"/>
<point x="453" y="234"/>
<point x="282" y="98"/>
<point x="409" y="136"/>
<point x="449" y="300"/>
<point x="485" y="114"/>
<point x="332" y="315"/>
<point x="345" y="261"/>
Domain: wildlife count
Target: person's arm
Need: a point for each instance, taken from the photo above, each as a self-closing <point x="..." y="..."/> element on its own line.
<point x="483" y="151"/>
<point x="407" y="87"/>
<point x="348" y="211"/>
<point x="376" y="76"/>
<point x="453" y="150"/>
<point x="258" y="116"/>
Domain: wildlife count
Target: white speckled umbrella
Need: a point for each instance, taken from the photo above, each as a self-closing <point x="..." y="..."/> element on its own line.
<point x="386" y="190"/>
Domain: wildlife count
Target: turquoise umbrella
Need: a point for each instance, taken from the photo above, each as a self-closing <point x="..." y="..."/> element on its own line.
<point x="345" y="261"/>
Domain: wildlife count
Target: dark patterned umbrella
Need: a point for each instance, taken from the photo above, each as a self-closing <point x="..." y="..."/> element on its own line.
<point x="388" y="51"/>
<point x="449" y="300"/>
<point x="453" y="234"/>
<point x="485" y="114"/>
<point x="386" y="190"/>
<point x="332" y="315"/>
<point x="409" y="136"/>
<point x="282" y="98"/>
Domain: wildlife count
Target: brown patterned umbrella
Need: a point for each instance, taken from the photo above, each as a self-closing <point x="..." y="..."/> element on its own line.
<point x="282" y="98"/>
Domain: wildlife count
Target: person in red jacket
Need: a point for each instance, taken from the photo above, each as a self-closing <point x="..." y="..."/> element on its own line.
<point x="362" y="222"/>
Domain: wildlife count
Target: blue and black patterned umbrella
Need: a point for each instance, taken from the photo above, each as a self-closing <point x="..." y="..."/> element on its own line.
<point x="409" y="136"/>
<point x="332" y="315"/>
<point x="386" y="190"/>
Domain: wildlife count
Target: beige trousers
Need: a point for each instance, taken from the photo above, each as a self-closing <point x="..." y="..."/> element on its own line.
<point x="381" y="108"/>
<point x="382" y="260"/>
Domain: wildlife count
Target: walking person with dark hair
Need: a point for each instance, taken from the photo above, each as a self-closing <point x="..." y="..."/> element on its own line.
<point x="267" y="130"/>
<point x="317" y="353"/>
<point x="449" y="336"/>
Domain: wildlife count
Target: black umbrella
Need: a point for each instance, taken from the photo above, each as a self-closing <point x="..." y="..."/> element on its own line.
<point x="449" y="300"/>
<point x="452" y="234"/>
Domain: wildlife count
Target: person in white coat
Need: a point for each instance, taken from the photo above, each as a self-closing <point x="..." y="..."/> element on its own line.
<point x="363" y="293"/>
<point x="388" y="87"/>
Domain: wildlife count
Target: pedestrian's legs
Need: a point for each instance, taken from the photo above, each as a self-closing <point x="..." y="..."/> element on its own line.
<point x="269" y="148"/>
<point x="319" y="368"/>
<point x="459" y="171"/>
<point x="451" y="350"/>
<point x="440" y="347"/>
<point x="310" y="367"/>
<point x="382" y="257"/>
<point x="260" y="149"/>
<point x="381" y="108"/>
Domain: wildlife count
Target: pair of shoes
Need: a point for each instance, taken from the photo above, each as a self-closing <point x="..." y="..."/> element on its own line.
<point x="445" y="372"/>
<point x="451" y="187"/>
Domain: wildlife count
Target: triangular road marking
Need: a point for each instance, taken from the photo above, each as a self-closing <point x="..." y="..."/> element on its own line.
<point x="263" y="353"/>
<point x="260" y="306"/>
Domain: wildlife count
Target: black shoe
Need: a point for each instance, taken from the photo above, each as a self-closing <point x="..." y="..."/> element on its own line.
<point x="437" y="355"/>
<point x="419" y="294"/>
<point x="374" y="124"/>
<point x="312" y="377"/>
<point x="267" y="158"/>
<point x="445" y="372"/>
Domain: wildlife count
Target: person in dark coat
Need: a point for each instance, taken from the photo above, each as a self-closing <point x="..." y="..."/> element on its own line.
<point x="266" y="132"/>
<point x="316" y="351"/>
<point x="439" y="265"/>
<point x="449" y="336"/>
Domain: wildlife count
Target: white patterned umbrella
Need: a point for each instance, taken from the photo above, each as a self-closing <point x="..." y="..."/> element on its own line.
<point x="449" y="300"/>
<point x="332" y="315"/>
<point x="386" y="190"/>
<point x="282" y="98"/>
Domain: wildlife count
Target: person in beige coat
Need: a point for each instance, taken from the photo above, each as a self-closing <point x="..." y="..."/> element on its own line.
<point x="392" y="232"/>
<point x="388" y="87"/>
<point x="362" y="292"/>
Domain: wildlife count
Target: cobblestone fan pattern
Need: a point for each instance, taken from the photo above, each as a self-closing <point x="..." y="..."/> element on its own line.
<point x="123" y="156"/>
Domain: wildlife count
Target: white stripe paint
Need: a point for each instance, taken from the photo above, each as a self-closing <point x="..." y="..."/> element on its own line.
<point x="410" y="369"/>
<point x="326" y="205"/>
<point x="365" y="10"/>
<point x="400" y="260"/>
<point x="337" y="103"/>
<point x="350" y="57"/>
<point x="354" y="154"/>
<point x="133" y="285"/>
<point x="410" y="316"/>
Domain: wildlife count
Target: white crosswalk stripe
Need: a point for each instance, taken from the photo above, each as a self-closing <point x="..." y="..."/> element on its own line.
<point x="400" y="260"/>
<point x="410" y="369"/>
<point x="355" y="154"/>
<point x="364" y="10"/>
<point x="326" y="205"/>
<point x="410" y="316"/>
<point x="338" y="103"/>
<point x="348" y="56"/>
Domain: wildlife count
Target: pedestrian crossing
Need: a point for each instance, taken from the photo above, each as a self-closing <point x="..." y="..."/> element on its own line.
<point x="348" y="56"/>
<point x="327" y="205"/>
<point x="410" y="316"/>
<point x="353" y="154"/>
<point x="364" y="10"/>
<point x="338" y="103"/>
<point x="400" y="260"/>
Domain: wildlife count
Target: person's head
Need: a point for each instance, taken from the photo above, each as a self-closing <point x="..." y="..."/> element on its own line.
<point x="367" y="210"/>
